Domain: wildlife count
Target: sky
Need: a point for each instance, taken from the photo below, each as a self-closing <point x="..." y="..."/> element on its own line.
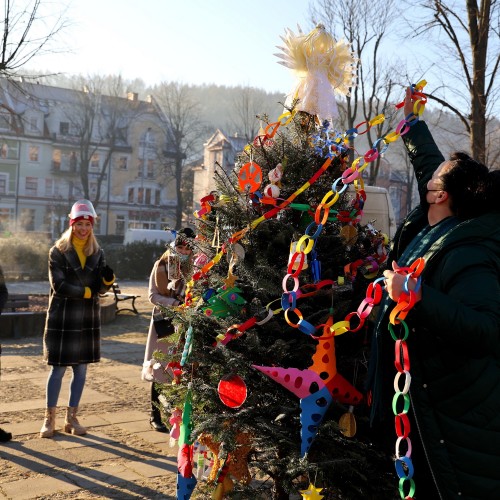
<point x="225" y="42"/>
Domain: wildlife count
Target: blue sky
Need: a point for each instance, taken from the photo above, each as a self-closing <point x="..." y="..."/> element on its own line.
<point x="226" y="42"/>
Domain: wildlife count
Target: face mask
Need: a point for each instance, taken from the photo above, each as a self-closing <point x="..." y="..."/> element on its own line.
<point x="183" y="258"/>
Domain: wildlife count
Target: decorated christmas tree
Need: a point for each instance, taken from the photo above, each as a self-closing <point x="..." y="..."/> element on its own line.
<point x="271" y="342"/>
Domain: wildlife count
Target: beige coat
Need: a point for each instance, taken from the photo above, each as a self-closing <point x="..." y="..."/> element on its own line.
<point x="166" y="287"/>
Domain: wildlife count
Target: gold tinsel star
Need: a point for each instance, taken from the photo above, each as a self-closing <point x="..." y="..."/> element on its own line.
<point x="312" y="493"/>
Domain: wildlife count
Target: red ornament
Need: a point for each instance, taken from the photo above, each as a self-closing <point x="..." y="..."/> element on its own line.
<point x="250" y="177"/>
<point x="232" y="391"/>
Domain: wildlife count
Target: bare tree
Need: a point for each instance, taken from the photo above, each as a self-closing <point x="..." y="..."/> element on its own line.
<point x="354" y="21"/>
<point x="247" y="104"/>
<point x="470" y="88"/>
<point x="98" y="122"/>
<point x="27" y="32"/>
<point x="184" y="133"/>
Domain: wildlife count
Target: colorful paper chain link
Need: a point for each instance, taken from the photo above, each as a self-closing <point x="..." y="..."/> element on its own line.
<point x="403" y="463"/>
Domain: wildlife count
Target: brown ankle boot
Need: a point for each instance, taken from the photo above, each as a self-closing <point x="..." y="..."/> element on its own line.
<point x="71" y="424"/>
<point x="49" y="425"/>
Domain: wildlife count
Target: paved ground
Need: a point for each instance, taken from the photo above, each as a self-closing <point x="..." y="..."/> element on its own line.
<point x="121" y="457"/>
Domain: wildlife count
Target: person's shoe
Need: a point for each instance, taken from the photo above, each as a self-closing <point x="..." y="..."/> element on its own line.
<point x="49" y="424"/>
<point x="71" y="424"/>
<point x="5" y="436"/>
<point x="158" y="426"/>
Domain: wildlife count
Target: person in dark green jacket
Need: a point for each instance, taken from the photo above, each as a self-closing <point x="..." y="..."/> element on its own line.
<point x="454" y="328"/>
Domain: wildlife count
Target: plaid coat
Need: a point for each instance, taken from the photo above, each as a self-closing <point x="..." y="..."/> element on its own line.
<point x="73" y="324"/>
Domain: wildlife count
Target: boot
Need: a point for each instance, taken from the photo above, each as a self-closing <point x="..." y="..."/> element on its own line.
<point x="5" y="436"/>
<point x="49" y="425"/>
<point x="71" y="424"/>
<point x="155" y="419"/>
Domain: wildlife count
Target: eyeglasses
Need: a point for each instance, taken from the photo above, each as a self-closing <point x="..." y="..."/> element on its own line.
<point x="429" y="190"/>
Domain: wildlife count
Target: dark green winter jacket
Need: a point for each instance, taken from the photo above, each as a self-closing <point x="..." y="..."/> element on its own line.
<point x="454" y="345"/>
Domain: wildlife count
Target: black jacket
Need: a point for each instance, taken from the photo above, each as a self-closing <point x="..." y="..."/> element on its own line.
<point x="454" y="347"/>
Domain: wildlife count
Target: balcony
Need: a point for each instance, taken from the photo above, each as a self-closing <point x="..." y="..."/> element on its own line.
<point x="66" y="169"/>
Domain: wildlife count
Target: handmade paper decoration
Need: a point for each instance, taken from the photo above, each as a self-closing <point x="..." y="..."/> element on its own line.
<point x="250" y="177"/>
<point x="175" y="421"/>
<point x="186" y="481"/>
<point x="238" y="464"/>
<point x="316" y="386"/>
<point x="232" y="391"/>
<point x="323" y="67"/>
<point x="226" y="302"/>
<point x="312" y="493"/>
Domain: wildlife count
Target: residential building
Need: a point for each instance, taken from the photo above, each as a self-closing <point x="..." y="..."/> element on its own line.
<point x="219" y="156"/>
<point x="59" y="145"/>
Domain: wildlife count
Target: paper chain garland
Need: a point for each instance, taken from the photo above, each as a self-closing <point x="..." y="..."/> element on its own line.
<point x="403" y="463"/>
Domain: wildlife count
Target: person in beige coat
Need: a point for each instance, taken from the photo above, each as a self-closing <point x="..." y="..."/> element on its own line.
<point x="167" y="286"/>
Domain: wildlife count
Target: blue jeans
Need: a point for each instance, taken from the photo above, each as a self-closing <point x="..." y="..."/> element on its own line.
<point x="54" y="383"/>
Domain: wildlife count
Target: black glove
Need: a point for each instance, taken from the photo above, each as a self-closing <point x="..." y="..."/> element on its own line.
<point x="107" y="274"/>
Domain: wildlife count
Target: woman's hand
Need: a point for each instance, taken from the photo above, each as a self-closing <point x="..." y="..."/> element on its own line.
<point x="395" y="283"/>
<point x="408" y="107"/>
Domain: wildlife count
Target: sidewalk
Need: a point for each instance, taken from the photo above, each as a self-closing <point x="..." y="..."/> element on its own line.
<point x="120" y="457"/>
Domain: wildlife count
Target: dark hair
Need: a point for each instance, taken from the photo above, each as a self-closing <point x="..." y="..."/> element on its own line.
<point x="467" y="183"/>
<point x="185" y="237"/>
<point x="493" y="191"/>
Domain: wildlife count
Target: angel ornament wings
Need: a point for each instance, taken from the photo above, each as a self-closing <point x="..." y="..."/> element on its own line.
<point x="323" y="66"/>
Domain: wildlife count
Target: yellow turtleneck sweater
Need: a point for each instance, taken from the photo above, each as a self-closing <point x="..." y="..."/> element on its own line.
<point x="79" y="245"/>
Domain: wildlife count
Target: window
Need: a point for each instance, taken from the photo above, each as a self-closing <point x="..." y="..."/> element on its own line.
<point x="8" y="149"/>
<point x="131" y="195"/>
<point x="140" y="196"/>
<point x="94" y="161"/>
<point x="3" y="183"/>
<point x="56" y="159"/>
<point x="33" y="153"/>
<point x="51" y="188"/>
<point x="31" y="186"/>
<point x="151" y="171"/>
<point x="72" y="161"/>
<point x="5" y="119"/>
<point x="28" y="219"/>
<point x="120" y="224"/>
<point x="122" y="163"/>
<point x="157" y="196"/>
<point x="64" y="128"/>
<point x="140" y="168"/>
<point x="148" y="196"/>
<point x="6" y="216"/>
<point x="33" y="124"/>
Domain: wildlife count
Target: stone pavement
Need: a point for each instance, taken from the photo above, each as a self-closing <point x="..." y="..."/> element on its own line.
<point x="121" y="456"/>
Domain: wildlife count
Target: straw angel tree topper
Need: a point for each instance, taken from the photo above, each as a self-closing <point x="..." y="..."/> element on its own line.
<point x="268" y="379"/>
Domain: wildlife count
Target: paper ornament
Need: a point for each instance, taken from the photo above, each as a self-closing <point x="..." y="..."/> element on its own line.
<point x="323" y="67"/>
<point x="250" y="177"/>
<point x="185" y="486"/>
<point x="232" y="391"/>
<point x="316" y="386"/>
<point x="186" y="481"/>
<point x="312" y="493"/>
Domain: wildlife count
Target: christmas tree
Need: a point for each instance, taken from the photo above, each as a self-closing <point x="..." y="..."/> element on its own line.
<point x="271" y="340"/>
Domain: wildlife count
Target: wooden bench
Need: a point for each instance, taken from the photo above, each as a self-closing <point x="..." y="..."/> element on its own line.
<point x="121" y="297"/>
<point x="16" y="300"/>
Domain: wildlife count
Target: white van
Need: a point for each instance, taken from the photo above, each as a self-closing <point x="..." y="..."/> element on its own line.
<point x="378" y="210"/>
<point x="159" y="236"/>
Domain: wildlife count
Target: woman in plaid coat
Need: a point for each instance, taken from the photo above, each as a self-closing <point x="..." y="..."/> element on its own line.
<point x="77" y="275"/>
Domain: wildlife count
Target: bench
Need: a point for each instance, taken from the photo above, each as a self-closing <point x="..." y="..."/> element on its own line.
<point x="16" y="300"/>
<point x="121" y="297"/>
